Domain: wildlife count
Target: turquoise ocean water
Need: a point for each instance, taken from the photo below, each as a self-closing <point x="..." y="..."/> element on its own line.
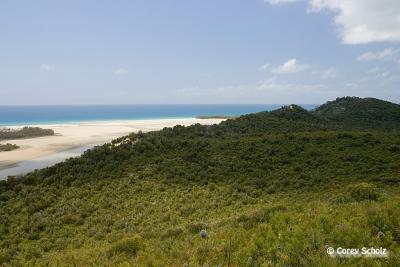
<point x="20" y="115"/>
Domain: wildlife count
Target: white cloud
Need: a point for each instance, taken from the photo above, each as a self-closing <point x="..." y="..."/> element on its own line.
<point x="387" y="54"/>
<point x="280" y="2"/>
<point x="352" y="84"/>
<point x="377" y="74"/>
<point x="360" y="21"/>
<point x="374" y="78"/>
<point x="382" y="75"/>
<point x="329" y="73"/>
<point x="47" y="67"/>
<point x="120" y="71"/>
<point x="271" y="90"/>
<point x="273" y="86"/>
<point x="363" y="21"/>
<point x="326" y="73"/>
<point x="377" y="82"/>
<point x="266" y="66"/>
<point x="290" y="66"/>
<point x="189" y="89"/>
<point x="375" y="70"/>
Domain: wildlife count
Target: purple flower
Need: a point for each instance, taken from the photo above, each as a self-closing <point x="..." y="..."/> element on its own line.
<point x="203" y="234"/>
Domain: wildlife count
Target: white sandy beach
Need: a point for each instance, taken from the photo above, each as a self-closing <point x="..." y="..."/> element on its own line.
<point x="84" y="134"/>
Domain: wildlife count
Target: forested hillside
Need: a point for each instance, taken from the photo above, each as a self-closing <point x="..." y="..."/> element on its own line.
<point x="268" y="189"/>
<point x="361" y="113"/>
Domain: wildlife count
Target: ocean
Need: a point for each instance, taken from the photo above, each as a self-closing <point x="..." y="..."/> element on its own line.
<point x="24" y="115"/>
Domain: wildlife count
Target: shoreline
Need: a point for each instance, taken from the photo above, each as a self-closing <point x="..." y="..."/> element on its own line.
<point x="83" y="134"/>
<point x="86" y="122"/>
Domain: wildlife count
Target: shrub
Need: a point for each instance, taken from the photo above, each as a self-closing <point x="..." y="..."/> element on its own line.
<point x="128" y="246"/>
<point x="394" y="148"/>
<point x="363" y="191"/>
<point x="196" y="227"/>
<point x="26" y="132"/>
<point x="259" y="216"/>
<point x="32" y="253"/>
<point x="5" y="256"/>
<point x="170" y="233"/>
<point x="8" y="147"/>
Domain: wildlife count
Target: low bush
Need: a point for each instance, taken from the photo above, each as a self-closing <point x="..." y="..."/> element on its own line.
<point x="128" y="246"/>
<point x="259" y="216"/>
<point x="195" y="228"/>
<point x="173" y="232"/>
<point x="363" y="191"/>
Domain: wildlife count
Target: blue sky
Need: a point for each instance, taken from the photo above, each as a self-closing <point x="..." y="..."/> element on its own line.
<point x="220" y="51"/>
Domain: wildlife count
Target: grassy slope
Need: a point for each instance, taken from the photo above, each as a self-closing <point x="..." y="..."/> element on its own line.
<point x="264" y="196"/>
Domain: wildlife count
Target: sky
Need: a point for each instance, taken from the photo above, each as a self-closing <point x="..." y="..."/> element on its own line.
<point x="198" y="52"/>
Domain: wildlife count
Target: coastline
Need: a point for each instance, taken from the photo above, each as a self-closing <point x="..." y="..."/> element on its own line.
<point x="50" y="124"/>
<point x="82" y="134"/>
<point x="35" y="115"/>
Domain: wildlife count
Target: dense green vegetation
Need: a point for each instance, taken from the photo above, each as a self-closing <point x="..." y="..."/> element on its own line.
<point x="269" y="189"/>
<point x="25" y="132"/>
<point x="8" y="147"/>
<point x="361" y="113"/>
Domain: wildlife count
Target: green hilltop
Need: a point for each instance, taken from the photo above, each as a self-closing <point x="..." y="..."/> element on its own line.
<point x="362" y="113"/>
<point x="266" y="189"/>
